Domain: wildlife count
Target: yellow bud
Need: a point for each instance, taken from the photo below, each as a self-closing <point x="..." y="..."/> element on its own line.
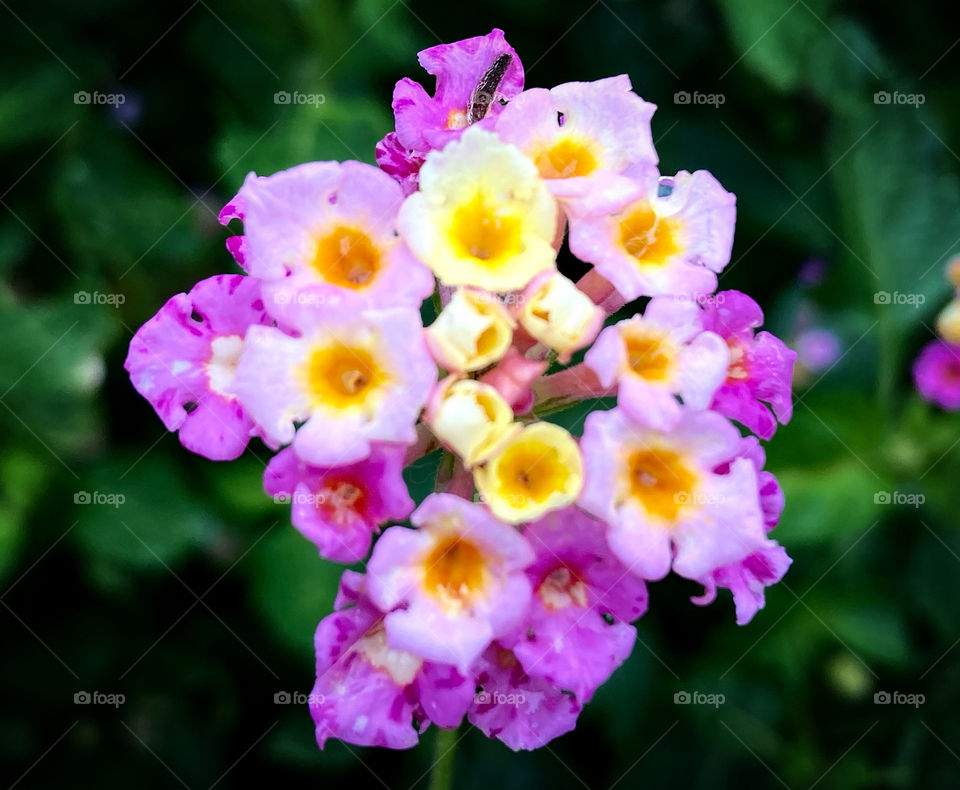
<point x="537" y="470"/>
<point x="472" y="419"/>
<point x="559" y="314"/>
<point x="473" y="331"/>
<point x="948" y="322"/>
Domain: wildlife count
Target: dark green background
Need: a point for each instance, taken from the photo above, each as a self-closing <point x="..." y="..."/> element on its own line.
<point x="102" y="598"/>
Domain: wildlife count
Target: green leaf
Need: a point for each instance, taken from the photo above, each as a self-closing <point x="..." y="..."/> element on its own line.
<point x="826" y="502"/>
<point x="774" y="37"/>
<point x="140" y="514"/>
<point x="292" y="586"/>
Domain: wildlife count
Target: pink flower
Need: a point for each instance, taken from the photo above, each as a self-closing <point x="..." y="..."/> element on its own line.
<point x="453" y="585"/>
<point x="370" y="694"/>
<point x="353" y="376"/>
<point x="660" y="244"/>
<point x="761" y="366"/>
<point x="327" y="226"/>
<point x="581" y="135"/>
<point x="183" y="361"/>
<point x="576" y="632"/>
<point x="522" y="711"/>
<point x="665" y="505"/>
<point x="658" y="355"/>
<point x="340" y="508"/>
<point x="936" y="373"/>
<point x="430" y="122"/>
<point x="748" y="578"/>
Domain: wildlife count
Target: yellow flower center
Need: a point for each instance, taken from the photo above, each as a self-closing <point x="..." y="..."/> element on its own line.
<point x="481" y="233"/>
<point x="565" y="159"/>
<point x="661" y="481"/>
<point x="531" y="469"/>
<point x="342" y="376"/>
<point x="647" y="237"/>
<point x="454" y="569"/>
<point x="348" y="258"/>
<point x="648" y="357"/>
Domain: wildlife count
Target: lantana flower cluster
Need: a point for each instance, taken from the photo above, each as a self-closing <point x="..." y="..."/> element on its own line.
<point x="936" y="371"/>
<point x="508" y="596"/>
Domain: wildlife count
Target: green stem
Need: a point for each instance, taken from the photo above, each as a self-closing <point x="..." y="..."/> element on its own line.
<point x="445" y="749"/>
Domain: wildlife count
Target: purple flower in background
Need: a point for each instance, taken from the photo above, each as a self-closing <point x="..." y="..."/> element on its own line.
<point x="936" y="373"/>
<point x="817" y="348"/>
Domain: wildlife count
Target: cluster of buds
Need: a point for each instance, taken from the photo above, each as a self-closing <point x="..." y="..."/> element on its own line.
<point x="508" y="595"/>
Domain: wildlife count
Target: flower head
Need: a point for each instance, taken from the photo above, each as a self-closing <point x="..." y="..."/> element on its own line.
<point x="760" y="369"/>
<point x="576" y="632"/>
<point x="453" y="585"/>
<point x="184" y="359"/>
<point x="474" y="77"/>
<point x="581" y="135"/>
<point x="340" y="508"/>
<point x="482" y="216"/>
<point x="662" y="498"/>
<point x="936" y="373"/>
<point x="328" y="227"/>
<point x="748" y="578"/>
<point x="352" y="377"/>
<point x="522" y="711"/>
<point x="660" y="244"/>
<point x="369" y="693"/>
<point x="657" y="355"/>
<point x="536" y="470"/>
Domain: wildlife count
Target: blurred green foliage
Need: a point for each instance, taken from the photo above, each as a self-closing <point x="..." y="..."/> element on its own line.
<point x="196" y="599"/>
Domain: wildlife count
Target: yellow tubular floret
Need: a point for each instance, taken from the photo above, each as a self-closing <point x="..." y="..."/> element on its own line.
<point x="473" y="331"/>
<point x="537" y="470"/>
<point x="483" y="216"/>
<point x="559" y="314"/>
<point x="473" y="420"/>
